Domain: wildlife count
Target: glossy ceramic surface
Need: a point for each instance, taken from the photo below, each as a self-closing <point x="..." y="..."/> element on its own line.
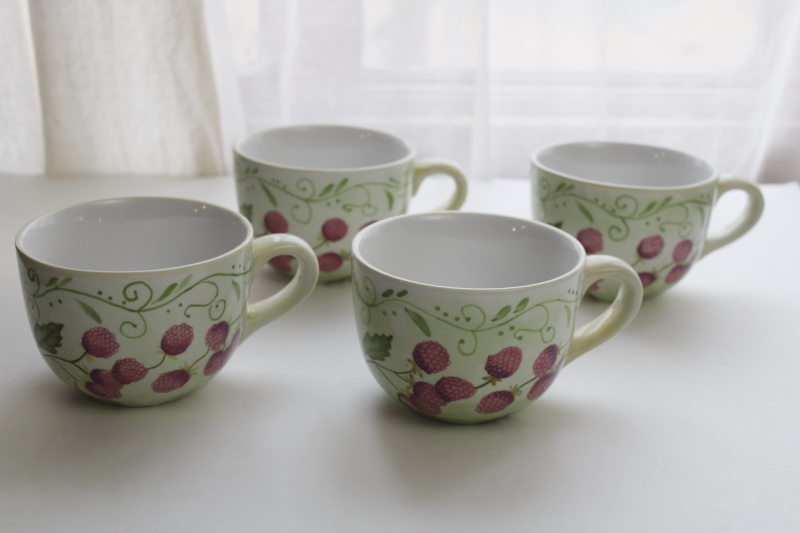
<point x="646" y="205"/>
<point x="467" y="317"/>
<point x="324" y="183"/>
<point x="140" y="301"/>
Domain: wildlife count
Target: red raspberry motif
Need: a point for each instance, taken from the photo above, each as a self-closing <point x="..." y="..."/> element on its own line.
<point x="105" y="392"/>
<point x="426" y="399"/>
<point x="647" y="278"/>
<point x="215" y="363"/>
<point x="431" y="357"/>
<point x="219" y="359"/>
<point x="275" y="222"/>
<point x="177" y="339"/>
<point x="451" y="389"/>
<point x="591" y="239"/>
<point x="595" y="286"/>
<point x="104" y="378"/>
<point x="128" y="370"/>
<point x="650" y="247"/>
<point x="504" y="363"/>
<point x="329" y="262"/>
<point x="216" y="335"/>
<point x="169" y="381"/>
<point x="99" y="342"/>
<point x="676" y="273"/>
<point x="545" y="361"/>
<point x="103" y="384"/>
<point x="495" y="402"/>
<point x="282" y="262"/>
<point x="334" y="229"/>
<point x="541" y="385"/>
<point x="682" y="251"/>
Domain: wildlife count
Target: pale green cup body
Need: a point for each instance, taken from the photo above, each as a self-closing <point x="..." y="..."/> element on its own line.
<point x="140" y="301"/>
<point x="646" y="205"/>
<point x="323" y="183"/>
<point x="466" y="317"/>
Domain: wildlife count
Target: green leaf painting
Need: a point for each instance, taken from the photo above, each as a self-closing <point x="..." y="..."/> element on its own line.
<point x="502" y="313"/>
<point x="48" y="336"/>
<point x="419" y="321"/>
<point x="376" y="346"/>
<point x="167" y="292"/>
<point x="269" y="195"/>
<point x="521" y="305"/>
<point x="89" y="311"/>
<point x="585" y="212"/>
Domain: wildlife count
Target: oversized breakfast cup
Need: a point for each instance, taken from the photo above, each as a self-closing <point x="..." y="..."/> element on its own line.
<point x="646" y="205"/>
<point x="467" y="317"/>
<point x="140" y="301"/>
<point x="325" y="182"/>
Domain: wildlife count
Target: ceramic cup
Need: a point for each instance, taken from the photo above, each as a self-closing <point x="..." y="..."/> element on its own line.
<point x="646" y="205"/>
<point x="467" y="317"/>
<point x="140" y="301"/>
<point x="323" y="183"/>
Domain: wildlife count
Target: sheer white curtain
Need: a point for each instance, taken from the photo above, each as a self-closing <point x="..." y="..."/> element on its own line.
<point x="163" y="86"/>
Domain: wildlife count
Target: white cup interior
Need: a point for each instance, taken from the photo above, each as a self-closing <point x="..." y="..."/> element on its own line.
<point x="133" y="234"/>
<point x="467" y="250"/>
<point x="323" y="147"/>
<point x="623" y="164"/>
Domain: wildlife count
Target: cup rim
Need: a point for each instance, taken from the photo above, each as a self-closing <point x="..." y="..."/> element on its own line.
<point x="575" y="270"/>
<point x="412" y="151"/>
<point x="707" y="181"/>
<point x="212" y="261"/>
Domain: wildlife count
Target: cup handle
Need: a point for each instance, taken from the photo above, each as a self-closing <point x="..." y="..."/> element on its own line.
<point x="265" y="248"/>
<point x="434" y="165"/>
<point x="619" y="313"/>
<point x="745" y="221"/>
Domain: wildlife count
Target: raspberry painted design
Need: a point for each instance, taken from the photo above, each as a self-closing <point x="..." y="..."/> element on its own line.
<point x="676" y="273"/>
<point x="177" y="339"/>
<point x="103" y="384"/>
<point x="426" y="399"/>
<point x="217" y="335"/>
<point x="452" y="389"/>
<point x="647" y="278"/>
<point x="282" y="262"/>
<point x="220" y="358"/>
<point x="541" y="385"/>
<point x="682" y="251"/>
<point x="128" y="370"/>
<point x="329" y="262"/>
<point x="99" y="342"/>
<point x="494" y="402"/>
<point x="504" y="363"/>
<point x="334" y="229"/>
<point x="170" y="381"/>
<point x="591" y="239"/>
<point x="431" y="357"/>
<point x="650" y="247"/>
<point x="275" y="222"/>
<point x="544" y="362"/>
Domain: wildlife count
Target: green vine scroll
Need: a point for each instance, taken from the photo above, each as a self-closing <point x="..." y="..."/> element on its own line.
<point x="625" y="209"/>
<point x="138" y="298"/>
<point x="367" y="198"/>
<point x="470" y="320"/>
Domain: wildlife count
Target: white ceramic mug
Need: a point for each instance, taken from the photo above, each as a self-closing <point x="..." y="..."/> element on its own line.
<point x="140" y="301"/>
<point x="647" y="205"/>
<point x="325" y="182"/>
<point x="468" y="317"/>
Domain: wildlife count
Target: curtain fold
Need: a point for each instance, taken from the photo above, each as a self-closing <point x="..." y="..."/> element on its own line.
<point x="163" y="87"/>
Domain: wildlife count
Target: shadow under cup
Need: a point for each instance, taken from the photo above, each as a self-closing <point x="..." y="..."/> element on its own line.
<point x="465" y="317"/>
<point x="140" y="301"/>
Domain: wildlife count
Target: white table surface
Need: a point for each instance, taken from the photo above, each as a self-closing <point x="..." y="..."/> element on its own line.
<point x="687" y="421"/>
